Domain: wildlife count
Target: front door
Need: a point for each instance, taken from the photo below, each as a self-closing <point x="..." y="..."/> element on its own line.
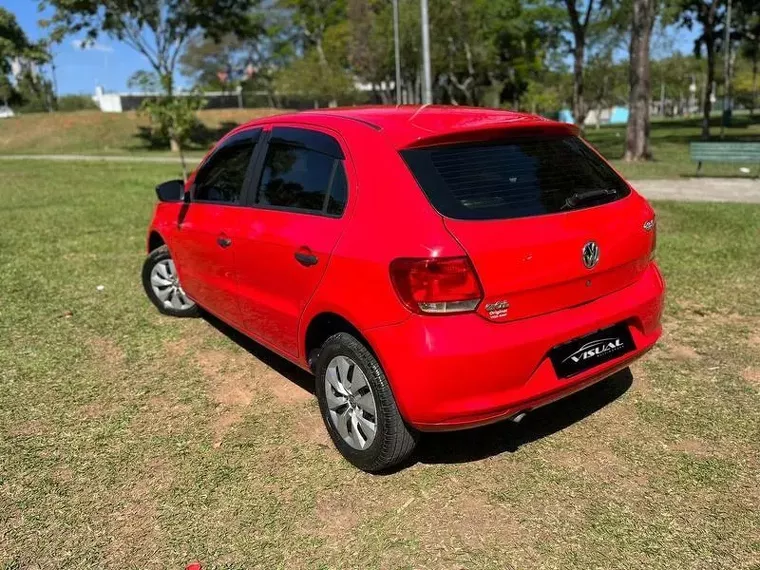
<point x="284" y="241"/>
<point x="204" y="250"/>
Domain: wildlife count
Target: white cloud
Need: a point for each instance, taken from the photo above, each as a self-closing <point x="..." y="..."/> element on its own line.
<point x="94" y="46"/>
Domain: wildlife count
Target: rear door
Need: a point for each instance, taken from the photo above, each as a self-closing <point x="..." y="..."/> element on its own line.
<point x="203" y="247"/>
<point x="283" y="242"/>
<point x="546" y="222"/>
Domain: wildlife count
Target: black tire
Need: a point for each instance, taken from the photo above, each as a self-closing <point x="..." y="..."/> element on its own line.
<point x="394" y="441"/>
<point x="155" y="256"/>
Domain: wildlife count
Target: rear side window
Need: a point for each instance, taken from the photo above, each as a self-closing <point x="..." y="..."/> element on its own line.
<point x="519" y="177"/>
<point x="302" y="178"/>
<point x="221" y="178"/>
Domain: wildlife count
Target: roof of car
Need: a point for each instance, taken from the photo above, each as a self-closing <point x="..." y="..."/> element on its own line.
<point x="410" y="125"/>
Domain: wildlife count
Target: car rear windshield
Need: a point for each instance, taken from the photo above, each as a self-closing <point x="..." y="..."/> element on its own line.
<point x="514" y="178"/>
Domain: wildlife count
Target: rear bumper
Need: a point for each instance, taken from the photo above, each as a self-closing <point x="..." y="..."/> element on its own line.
<point x="457" y="372"/>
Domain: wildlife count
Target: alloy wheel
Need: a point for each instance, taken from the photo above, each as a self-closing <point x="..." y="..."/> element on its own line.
<point x="166" y="287"/>
<point x="350" y="402"/>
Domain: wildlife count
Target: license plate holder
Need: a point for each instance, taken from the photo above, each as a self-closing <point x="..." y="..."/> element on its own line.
<point x="591" y="350"/>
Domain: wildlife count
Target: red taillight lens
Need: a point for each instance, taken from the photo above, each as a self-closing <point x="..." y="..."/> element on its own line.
<point x="437" y="285"/>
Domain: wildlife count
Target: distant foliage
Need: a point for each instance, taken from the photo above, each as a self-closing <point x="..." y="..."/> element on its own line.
<point x="30" y="90"/>
<point x="76" y="103"/>
<point x="308" y="78"/>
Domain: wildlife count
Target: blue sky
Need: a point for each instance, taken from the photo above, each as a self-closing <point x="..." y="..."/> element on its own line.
<point x="110" y="63"/>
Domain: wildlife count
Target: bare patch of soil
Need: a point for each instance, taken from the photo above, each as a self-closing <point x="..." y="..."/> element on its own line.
<point x="237" y="380"/>
<point x="692" y="447"/>
<point x="32" y="428"/>
<point x="682" y="352"/>
<point x="752" y="375"/>
<point x="107" y="352"/>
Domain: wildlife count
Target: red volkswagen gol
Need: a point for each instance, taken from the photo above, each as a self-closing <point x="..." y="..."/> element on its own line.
<point x="437" y="268"/>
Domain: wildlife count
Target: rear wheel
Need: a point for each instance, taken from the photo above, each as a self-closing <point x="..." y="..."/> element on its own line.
<point x="358" y="408"/>
<point x="161" y="283"/>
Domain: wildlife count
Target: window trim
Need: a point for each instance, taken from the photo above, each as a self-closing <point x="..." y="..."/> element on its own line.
<point x="257" y="136"/>
<point x="270" y="136"/>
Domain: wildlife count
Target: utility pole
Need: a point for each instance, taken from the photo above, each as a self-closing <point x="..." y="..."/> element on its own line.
<point x="397" y="52"/>
<point x="726" y="70"/>
<point x="427" y="88"/>
<point x="55" y="79"/>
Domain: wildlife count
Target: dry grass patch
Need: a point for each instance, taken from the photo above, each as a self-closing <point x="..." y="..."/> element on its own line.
<point x="133" y="529"/>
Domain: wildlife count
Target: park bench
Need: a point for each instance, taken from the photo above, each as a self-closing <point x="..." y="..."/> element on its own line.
<point x="743" y="152"/>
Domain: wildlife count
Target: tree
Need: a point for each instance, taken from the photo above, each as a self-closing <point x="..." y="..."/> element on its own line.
<point x="540" y="98"/>
<point x="35" y="92"/>
<point x="482" y="48"/>
<point x="321" y="30"/>
<point x="311" y="78"/>
<point x="157" y="29"/>
<point x="15" y="46"/>
<point x="640" y="98"/>
<point x="249" y="61"/>
<point x="750" y="49"/>
<point x="370" y="49"/>
<point x="589" y="20"/>
<point x="674" y="76"/>
<point x="709" y="15"/>
<point x="170" y="117"/>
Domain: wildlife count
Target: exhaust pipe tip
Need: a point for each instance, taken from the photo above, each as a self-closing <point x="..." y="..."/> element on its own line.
<point x="517" y="418"/>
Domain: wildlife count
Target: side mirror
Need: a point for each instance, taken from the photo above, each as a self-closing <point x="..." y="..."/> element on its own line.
<point x="171" y="191"/>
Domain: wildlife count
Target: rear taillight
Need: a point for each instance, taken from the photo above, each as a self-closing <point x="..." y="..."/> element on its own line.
<point x="437" y="285"/>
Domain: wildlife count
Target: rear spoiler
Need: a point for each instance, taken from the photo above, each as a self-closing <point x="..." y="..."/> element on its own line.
<point x="492" y="130"/>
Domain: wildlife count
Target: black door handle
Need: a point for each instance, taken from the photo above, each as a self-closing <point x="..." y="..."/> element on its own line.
<point x="306" y="259"/>
<point x="224" y="241"/>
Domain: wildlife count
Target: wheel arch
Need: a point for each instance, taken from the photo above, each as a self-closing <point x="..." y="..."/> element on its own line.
<point x="321" y="327"/>
<point x="155" y="240"/>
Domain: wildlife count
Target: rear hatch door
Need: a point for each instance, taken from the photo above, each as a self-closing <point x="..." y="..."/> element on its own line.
<point x="547" y="223"/>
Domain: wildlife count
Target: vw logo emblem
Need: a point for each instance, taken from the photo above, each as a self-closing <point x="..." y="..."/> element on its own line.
<point x="590" y="254"/>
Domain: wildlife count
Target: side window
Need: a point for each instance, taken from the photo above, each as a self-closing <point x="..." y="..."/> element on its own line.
<point x="302" y="178"/>
<point x="221" y="178"/>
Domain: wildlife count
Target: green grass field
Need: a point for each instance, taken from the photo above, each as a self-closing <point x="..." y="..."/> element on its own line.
<point x="132" y="440"/>
<point x="670" y="146"/>
<point x="93" y="132"/>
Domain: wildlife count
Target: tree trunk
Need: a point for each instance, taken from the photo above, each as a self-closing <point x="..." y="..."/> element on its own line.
<point x="707" y="19"/>
<point x="707" y="103"/>
<point x="639" y="77"/>
<point x="754" y="83"/>
<point x="333" y="102"/>
<point x="579" y="107"/>
<point x="177" y="147"/>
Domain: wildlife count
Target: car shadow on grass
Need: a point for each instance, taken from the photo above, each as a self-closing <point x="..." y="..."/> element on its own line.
<point x="469" y="445"/>
<point x="495" y="439"/>
<point x="298" y="376"/>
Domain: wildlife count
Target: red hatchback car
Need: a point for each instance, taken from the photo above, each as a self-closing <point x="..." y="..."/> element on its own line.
<point x="436" y="268"/>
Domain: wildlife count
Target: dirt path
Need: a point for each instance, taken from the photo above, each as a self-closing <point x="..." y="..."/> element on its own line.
<point x="701" y="189"/>
<point x="687" y="189"/>
<point x="98" y="158"/>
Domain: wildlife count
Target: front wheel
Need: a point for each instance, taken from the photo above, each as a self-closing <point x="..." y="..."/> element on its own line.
<point x="358" y="408"/>
<point x="161" y="283"/>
